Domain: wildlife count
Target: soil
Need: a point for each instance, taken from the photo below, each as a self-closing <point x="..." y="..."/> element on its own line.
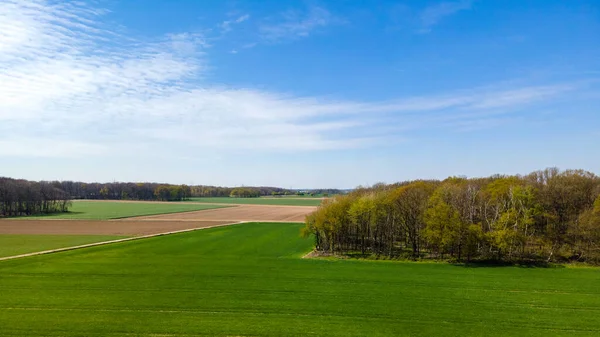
<point x="155" y="224"/>
<point x="263" y="213"/>
<point x="99" y="227"/>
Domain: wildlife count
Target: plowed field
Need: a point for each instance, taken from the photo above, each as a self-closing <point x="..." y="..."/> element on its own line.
<point x="262" y="213"/>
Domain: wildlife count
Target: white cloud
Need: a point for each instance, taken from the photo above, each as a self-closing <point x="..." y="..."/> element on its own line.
<point x="293" y="24"/>
<point x="226" y="26"/>
<point x="71" y="86"/>
<point x="433" y="14"/>
<point x="242" y="18"/>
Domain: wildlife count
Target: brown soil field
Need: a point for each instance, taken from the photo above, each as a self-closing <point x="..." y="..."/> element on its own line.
<point x="99" y="227"/>
<point x="228" y="204"/>
<point x="237" y="213"/>
<point x="155" y="224"/>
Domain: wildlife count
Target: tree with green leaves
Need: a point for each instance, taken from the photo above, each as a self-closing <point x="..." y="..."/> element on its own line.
<point x="547" y="215"/>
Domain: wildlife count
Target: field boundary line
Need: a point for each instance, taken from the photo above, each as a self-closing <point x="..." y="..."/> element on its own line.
<point x="196" y="210"/>
<point x="102" y="243"/>
<point x="196" y="220"/>
<point x="309" y="254"/>
<point x="187" y="203"/>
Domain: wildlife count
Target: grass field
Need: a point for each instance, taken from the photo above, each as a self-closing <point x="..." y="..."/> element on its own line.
<point x="21" y="244"/>
<point x="104" y="210"/>
<point x="249" y="279"/>
<point x="283" y="201"/>
<point x="306" y="196"/>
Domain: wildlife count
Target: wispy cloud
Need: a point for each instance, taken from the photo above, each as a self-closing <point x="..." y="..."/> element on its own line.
<point x="433" y="14"/>
<point x="226" y="26"/>
<point x="249" y="45"/>
<point x="70" y="86"/>
<point x="481" y="123"/>
<point x="292" y="25"/>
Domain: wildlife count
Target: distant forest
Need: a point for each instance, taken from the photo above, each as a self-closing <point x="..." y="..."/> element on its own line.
<point x="22" y="197"/>
<point x="548" y="215"/>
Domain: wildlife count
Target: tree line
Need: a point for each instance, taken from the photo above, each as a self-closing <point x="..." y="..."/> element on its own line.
<point x="155" y="191"/>
<point x="324" y="192"/>
<point x="217" y="191"/>
<point x="124" y="191"/>
<point x="548" y="215"/>
<point x="243" y="192"/>
<point x="22" y="197"/>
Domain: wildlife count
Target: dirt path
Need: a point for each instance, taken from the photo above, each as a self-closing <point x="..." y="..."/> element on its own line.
<point x="109" y="242"/>
<point x="99" y="227"/>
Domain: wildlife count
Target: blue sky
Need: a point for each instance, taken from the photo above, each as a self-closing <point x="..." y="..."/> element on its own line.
<point x="297" y="94"/>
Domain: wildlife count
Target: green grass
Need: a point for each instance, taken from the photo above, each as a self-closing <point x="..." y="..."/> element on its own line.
<point x="11" y="245"/>
<point x="249" y="279"/>
<point x="103" y="210"/>
<point x="282" y="201"/>
<point x="302" y="196"/>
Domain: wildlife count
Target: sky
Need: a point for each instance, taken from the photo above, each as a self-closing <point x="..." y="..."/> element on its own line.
<point x="297" y="94"/>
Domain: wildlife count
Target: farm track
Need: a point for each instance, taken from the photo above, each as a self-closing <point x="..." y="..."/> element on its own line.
<point x="99" y="227"/>
<point x="102" y="243"/>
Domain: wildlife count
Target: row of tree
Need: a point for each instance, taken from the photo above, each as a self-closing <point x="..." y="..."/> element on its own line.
<point x="127" y="191"/>
<point x="172" y="192"/>
<point x="324" y="192"/>
<point x="244" y="192"/>
<point x="546" y="215"/>
<point x="217" y="191"/>
<point x="124" y="191"/>
<point x="22" y="197"/>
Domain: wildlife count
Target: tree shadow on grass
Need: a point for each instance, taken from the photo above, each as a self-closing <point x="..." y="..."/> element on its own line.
<point x="60" y="214"/>
<point x="357" y="255"/>
<point x="44" y="215"/>
<point x="480" y="263"/>
<point x="499" y="263"/>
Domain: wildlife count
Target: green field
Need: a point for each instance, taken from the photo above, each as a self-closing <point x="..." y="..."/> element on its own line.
<point x="104" y="210"/>
<point x="11" y="245"/>
<point x="302" y="196"/>
<point x="250" y="280"/>
<point x="283" y="201"/>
